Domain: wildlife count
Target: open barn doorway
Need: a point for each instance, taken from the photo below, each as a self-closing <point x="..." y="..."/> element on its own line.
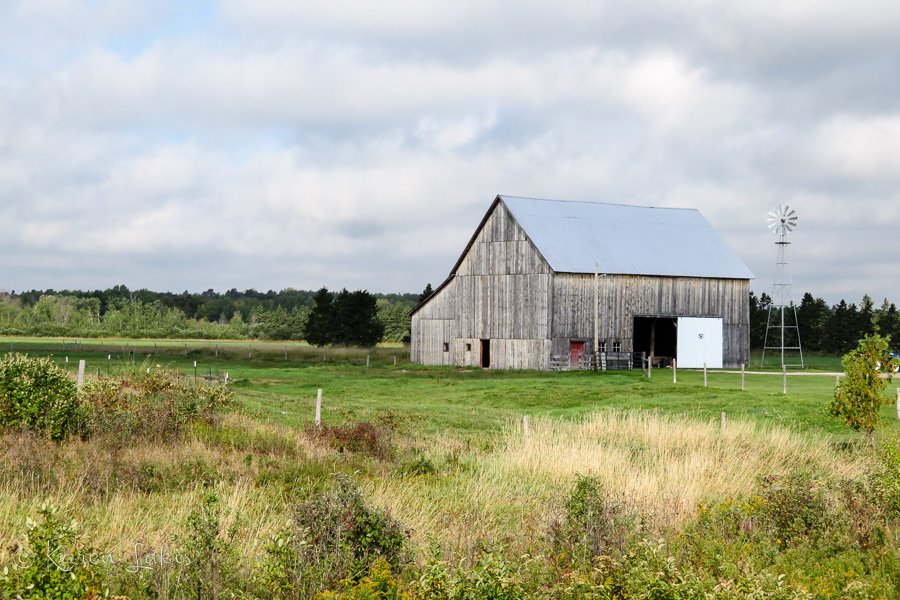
<point x="486" y="354"/>
<point x="657" y="338"/>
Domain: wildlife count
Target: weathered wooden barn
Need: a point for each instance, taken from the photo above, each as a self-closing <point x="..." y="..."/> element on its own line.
<point x="535" y="272"/>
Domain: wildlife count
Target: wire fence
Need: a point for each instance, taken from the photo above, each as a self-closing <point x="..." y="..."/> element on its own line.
<point x="271" y="351"/>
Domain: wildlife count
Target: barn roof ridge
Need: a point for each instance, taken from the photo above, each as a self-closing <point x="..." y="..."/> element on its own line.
<point x="568" y="201"/>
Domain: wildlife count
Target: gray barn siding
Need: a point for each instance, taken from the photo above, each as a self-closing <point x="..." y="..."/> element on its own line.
<point x="500" y="292"/>
<point x="624" y="296"/>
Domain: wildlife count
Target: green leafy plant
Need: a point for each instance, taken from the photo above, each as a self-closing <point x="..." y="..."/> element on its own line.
<point x="36" y="394"/>
<point x="211" y="559"/>
<point x="594" y="523"/>
<point x="54" y="563"/>
<point x="333" y="535"/>
<point x="859" y="396"/>
<point x="380" y="584"/>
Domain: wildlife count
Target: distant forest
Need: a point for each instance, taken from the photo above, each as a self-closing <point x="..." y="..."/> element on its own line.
<point x="120" y="312"/>
<point x="825" y="329"/>
<point x="285" y="315"/>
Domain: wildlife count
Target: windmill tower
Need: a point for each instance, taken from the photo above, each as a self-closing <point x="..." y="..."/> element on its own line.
<point x="782" y="327"/>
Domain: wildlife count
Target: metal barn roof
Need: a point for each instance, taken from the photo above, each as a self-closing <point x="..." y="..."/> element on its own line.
<point x="628" y="240"/>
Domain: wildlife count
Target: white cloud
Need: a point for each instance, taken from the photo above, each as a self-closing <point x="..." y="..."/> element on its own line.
<point x="859" y="147"/>
<point x="280" y="143"/>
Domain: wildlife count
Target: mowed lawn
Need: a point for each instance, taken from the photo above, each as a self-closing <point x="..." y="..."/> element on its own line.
<point x="472" y="402"/>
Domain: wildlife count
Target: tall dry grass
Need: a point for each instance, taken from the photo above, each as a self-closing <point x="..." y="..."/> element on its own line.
<point x="103" y="485"/>
<point x="661" y="465"/>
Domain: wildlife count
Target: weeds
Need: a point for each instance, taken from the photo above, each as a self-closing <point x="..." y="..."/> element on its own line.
<point x="331" y="536"/>
<point x="54" y="562"/>
<point x="361" y="437"/>
<point x="211" y="559"/>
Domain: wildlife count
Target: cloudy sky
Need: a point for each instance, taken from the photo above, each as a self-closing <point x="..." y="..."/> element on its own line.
<point x="185" y="145"/>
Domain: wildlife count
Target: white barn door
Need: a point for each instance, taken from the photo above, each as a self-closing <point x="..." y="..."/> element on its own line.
<point x="700" y="341"/>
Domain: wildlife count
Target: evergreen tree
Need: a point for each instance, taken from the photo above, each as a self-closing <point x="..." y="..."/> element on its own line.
<point x="865" y="320"/>
<point x="842" y="331"/>
<point x="812" y="318"/>
<point x="319" y="329"/>
<point x="427" y="292"/>
<point x="759" y="314"/>
<point x="356" y="320"/>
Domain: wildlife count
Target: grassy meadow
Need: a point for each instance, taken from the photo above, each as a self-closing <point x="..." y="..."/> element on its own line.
<point x="615" y="485"/>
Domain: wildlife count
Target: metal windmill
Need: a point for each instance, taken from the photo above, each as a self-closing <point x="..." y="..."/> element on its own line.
<point x="782" y="327"/>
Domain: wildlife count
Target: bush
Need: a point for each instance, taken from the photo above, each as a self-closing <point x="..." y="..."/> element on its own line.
<point x="362" y="437"/>
<point x="152" y="406"/>
<point x="54" y="562"/>
<point x="593" y="523"/>
<point x="332" y="536"/>
<point x="212" y="561"/>
<point x="794" y="509"/>
<point x="490" y="577"/>
<point x="38" y="395"/>
<point x="885" y="478"/>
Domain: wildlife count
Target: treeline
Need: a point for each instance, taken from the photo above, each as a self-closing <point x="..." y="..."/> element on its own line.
<point x="827" y="329"/>
<point x="120" y="312"/>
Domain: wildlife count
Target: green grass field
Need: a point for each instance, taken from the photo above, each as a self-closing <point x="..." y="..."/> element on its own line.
<point x="470" y="401"/>
<point x="481" y="496"/>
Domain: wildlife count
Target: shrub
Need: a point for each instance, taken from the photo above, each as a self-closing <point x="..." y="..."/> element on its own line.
<point x="36" y="394"/>
<point x="885" y="478"/>
<point x="55" y="562"/>
<point x="152" y="406"/>
<point x="794" y="509"/>
<point x="362" y="437"/>
<point x="332" y="536"/>
<point x="594" y="524"/>
<point x="211" y="559"/>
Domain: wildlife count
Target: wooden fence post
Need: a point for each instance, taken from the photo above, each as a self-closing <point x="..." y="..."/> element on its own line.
<point x="80" y="383"/>
<point x="723" y="423"/>
<point x="319" y="408"/>
<point x="674" y="371"/>
<point x="704" y="374"/>
<point x="783" y="379"/>
<point x="742" y="377"/>
<point x="525" y="424"/>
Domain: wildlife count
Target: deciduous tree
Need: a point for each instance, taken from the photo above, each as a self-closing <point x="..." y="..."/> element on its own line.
<point x="859" y="396"/>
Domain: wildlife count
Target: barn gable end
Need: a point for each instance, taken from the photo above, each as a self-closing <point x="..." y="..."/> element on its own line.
<point x="498" y="291"/>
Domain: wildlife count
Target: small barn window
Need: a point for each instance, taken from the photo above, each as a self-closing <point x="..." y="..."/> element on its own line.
<point x="602" y="347"/>
<point x="468" y="347"/>
<point x="446" y="346"/>
<point x="617" y="346"/>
